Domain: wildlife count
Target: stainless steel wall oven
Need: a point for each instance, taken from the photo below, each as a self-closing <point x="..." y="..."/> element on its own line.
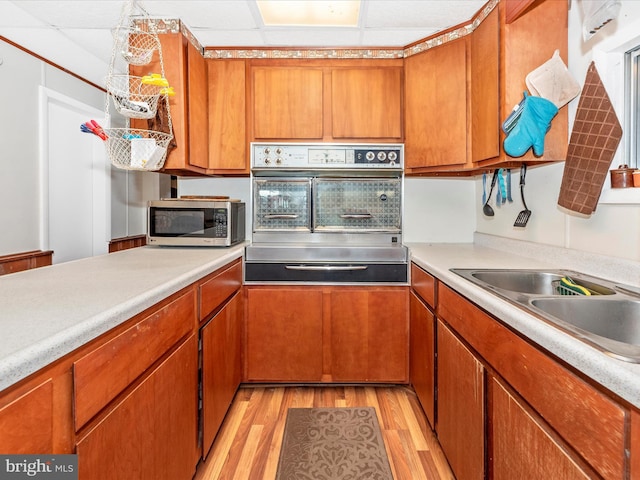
<point x="327" y="213"/>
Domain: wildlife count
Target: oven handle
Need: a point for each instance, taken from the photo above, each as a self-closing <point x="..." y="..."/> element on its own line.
<point x="280" y="215"/>
<point x="341" y="268"/>
<point x="356" y="215"/>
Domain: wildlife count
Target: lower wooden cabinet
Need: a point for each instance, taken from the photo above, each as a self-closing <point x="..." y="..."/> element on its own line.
<point x="221" y="340"/>
<point x="284" y="334"/>
<point x="522" y="446"/>
<point x="27" y="422"/>
<point x="151" y="432"/>
<point x="422" y="356"/>
<point x="327" y="333"/>
<point x="461" y="406"/>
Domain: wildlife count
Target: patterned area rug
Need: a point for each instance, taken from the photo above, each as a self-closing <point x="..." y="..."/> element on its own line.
<point x="333" y="444"/>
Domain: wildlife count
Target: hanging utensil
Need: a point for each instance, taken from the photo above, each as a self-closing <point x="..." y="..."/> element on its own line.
<point x="523" y="216"/>
<point x="509" y="199"/>
<point x="484" y="187"/>
<point x="486" y="208"/>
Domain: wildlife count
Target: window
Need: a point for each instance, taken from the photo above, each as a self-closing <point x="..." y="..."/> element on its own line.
<point x="632" y="114"/>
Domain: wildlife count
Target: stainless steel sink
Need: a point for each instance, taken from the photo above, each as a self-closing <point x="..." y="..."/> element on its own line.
<point x="612" y="324"/>
<point x="608" y="318"/>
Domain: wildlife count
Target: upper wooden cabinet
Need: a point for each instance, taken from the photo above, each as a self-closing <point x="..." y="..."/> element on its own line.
<point x="451" y="110"/>
<point x="459" y="93"/>
<point x="326" y="100"/>
<point x="227" y="137"/>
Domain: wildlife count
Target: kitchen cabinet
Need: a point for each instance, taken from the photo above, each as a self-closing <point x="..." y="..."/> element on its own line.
<point x="208" y="110"/>
<point x="522" y="446"/>
<point x="453" y="116"/>
<point x="226" y="114"/>
<point x="422" y="343"/>
<point x="526" y="43"/>
<point x="326" y="100"/>
<point x="26" y="423"/>
<point x="369" y="335"/>
<point x="575" y="410"/>
<point x="461" y="404"/>
<point x="327" y="333"/>
<point x="221" y="339"/>
<point x="150" y="432"/>
<point x="451" y="108"/>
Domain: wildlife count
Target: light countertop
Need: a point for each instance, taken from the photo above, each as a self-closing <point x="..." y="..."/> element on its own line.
<point x="50" y="311"/>
<point x="620" y="377"/>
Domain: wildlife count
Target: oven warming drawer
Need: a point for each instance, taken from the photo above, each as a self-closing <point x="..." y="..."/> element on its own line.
<point x="326" y="273"/>
<point x="321" y="264"/>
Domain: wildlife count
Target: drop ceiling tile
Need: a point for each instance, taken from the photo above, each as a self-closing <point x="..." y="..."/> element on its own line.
<point x="229" y="38"/>
<point x="309" y="37"/>
<point x="395" y="38"/>
<point x="437" y="14"/>
<point x="210" y="14"/>
<point x="74" y="13"/>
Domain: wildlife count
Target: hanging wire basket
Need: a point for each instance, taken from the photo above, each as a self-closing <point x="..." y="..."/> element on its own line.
<point x="132" y="98"/>
<point x="136" y="149"/>
<point x="135" y="45"/>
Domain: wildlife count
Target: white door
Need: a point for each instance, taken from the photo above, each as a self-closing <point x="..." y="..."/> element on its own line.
<point x="75" y="180"/>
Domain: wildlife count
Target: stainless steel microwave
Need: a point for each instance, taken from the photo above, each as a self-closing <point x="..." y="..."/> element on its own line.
<point x="195" y="222"/>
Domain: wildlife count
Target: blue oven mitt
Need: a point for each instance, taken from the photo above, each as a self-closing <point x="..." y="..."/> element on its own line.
<point x="532" y="126"/>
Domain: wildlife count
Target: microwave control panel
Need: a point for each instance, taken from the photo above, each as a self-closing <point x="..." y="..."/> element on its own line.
<point x="326" y="156"/>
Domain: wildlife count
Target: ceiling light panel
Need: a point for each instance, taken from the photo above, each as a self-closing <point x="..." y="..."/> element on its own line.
<point x="333" y="13"/>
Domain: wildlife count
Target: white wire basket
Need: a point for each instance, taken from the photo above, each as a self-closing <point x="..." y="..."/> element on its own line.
<point x="136" y="149"/>
<point x="132" y="98"/>
<point x="135" y="46"/>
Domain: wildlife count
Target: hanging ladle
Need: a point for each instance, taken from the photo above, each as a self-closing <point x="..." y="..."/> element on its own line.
<point x="486" y="208"/>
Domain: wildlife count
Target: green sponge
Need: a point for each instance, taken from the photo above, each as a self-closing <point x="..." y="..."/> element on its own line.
<point x="569" y="284"/>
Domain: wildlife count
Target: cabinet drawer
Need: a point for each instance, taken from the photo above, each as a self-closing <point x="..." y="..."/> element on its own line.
<point x="102" y="374"/>
<point x="577" y="411"/>
<point x="424" y="285"/>
<point x="217" y="288"/>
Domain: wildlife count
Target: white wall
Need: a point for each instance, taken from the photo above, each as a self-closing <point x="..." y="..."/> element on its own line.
<point x="614" y="228"/>
<point x="22" y="186"/>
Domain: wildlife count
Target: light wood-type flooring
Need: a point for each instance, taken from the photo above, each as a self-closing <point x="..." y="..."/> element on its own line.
<point x="248" y="444"/>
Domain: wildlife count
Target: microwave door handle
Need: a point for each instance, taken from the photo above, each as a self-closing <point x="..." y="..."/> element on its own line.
<point x="273" y="216"/>
<point x="315" y="268"/>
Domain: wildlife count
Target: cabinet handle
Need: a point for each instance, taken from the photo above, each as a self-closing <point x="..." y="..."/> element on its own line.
<point x="356" y="215"/>
<point x="341" y="268"/>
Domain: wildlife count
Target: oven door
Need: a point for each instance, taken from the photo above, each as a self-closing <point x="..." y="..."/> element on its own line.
<point x="281" y="204"/>
<point x="357" y="205"/>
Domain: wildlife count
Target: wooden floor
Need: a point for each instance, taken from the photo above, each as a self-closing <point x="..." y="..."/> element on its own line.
<point x="248" y="444"/>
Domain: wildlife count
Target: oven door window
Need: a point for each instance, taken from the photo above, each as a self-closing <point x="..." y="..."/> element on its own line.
<point x="371" y="204"/>
<point x="282" y="204"/>
<point x="188" y="222"/>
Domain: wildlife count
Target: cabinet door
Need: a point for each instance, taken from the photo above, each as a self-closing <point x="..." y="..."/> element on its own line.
<point x="27" y="422"/>
<point x="460" y="424"/>
<point x="436" y="106"/>
<point x="287" y="103"/>
<point x="484" y="100"/>
<point x="521" y="447"/>
<point x="197" y="109"/>
<point x="422" y="359"/>
<point x="284" y="334"/>
<point x="151" y="433"/>
<point x="369" y="335"/>
<point x="221" y="367"/>
<point x="366" y="103"/>
<point x="227" y="116"/>
<point x="174" y="59"/>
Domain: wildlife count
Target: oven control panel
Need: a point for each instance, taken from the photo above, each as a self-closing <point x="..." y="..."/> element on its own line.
<point x="326" y="156"/>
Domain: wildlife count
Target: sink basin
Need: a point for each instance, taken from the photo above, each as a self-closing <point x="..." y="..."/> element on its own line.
<point x="613" y="325"/>
<point x="608" y="318"/>
<point x="536" y="282"/>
